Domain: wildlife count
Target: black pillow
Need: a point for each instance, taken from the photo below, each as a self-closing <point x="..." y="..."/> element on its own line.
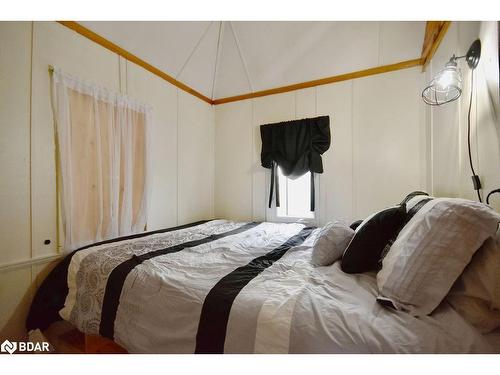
<point x="413" y="194"/>
<point x="355" y="224"/>
<point x="375" y="233"/>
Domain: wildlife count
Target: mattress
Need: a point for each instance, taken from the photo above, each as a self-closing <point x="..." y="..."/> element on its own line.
<point x="230" y="287"/>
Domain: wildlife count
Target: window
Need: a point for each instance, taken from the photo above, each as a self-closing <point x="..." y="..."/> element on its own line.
<point x="295" y="199"/>
<point x="103" y="161"/>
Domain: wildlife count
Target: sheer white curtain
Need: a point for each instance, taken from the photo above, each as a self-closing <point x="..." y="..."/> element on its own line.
<point x="103" y="160"/>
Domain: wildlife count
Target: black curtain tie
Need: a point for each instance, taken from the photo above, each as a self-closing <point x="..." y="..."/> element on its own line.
<point x="313" y="198"/>
<point x="275" y="184"/>
<point x="271" y="189"/>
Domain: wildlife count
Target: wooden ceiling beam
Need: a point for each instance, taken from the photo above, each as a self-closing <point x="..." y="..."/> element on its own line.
<point x="434" y="34"/>
<point x="323" y="81"/>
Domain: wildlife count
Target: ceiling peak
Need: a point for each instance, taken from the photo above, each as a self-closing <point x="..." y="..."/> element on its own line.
<point x="193" y="50"/>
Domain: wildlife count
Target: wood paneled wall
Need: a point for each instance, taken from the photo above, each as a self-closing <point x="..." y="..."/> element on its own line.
<point x="451" y="174"/>
<point x="378" y="152"/>
<point x="182" y="179"/>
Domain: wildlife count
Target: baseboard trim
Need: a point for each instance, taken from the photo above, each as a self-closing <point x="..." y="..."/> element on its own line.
<point x="29" y="262"/>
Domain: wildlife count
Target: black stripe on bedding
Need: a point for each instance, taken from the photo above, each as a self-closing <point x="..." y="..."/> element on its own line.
<point x="51" y="295"/>
<point x="214" y="316"/>
<point x="144" y="234"/>
<point x="117" y="277"/>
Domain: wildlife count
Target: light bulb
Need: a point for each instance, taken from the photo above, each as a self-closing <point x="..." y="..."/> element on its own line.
<point x="446" y="85"/>
<point x="445" y="79"/>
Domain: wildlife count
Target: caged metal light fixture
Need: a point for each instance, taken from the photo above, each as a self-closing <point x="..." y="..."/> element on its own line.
<point x="446" y="86"/>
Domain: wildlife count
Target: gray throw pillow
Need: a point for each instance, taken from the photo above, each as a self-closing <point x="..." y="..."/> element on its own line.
<point x="330" y="243"/>
<point x="431" y="252"/>
<point x="476" y="294"/>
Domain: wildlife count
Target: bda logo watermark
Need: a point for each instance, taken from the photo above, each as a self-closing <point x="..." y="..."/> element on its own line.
<point x="10" y="347"/>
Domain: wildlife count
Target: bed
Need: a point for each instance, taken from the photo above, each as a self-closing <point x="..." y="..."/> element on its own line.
<point x="233" y="287"/>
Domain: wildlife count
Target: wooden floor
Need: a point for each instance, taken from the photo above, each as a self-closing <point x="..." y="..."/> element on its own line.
<point x="66" y="339"/>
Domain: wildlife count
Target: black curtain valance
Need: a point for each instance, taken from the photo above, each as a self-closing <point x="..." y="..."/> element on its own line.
<point x="296" y="147"/>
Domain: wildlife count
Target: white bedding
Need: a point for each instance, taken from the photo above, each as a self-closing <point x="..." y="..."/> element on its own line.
<point x="289" y="306"/>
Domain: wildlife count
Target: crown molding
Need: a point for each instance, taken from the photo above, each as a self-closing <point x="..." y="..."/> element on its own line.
<point x="323" y="81"/>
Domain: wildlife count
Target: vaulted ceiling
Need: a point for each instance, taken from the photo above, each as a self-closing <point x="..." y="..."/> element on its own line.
<point x="222" y="59"/>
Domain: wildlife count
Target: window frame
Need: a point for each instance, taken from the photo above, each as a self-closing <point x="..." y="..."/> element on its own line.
<point x="272" y="214"/>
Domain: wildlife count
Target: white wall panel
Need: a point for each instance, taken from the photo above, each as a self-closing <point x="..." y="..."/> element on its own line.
<point x="445" y="128"/>
<point x="15" y="296"/>
<point x="15" y="235"/>
<point x="163" y="97"/>
<point x="467" y="32"/>
<point x="305" y="103"/>
<point x="426" y="136"/>
<point x="378" y="150"/>
<point x="336" y="185"/>
<point x="15" y="65"/>
<point x="450" y="164"/>
<point x="386" y="131"/>
<point x="80" y="57"/>
<point x="488" y="112"/>
<point x="233" y="160"/>
<point x="196" y="159"/>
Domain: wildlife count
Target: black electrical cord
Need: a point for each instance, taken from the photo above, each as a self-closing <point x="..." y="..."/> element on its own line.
<point x="491" y="193"/>
<point x="475" y="178"/>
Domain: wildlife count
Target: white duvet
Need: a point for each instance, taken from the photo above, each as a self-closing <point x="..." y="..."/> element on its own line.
<point x="176" y="302"/>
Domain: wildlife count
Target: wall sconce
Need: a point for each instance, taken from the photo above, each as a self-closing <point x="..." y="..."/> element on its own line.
<point x="446" y="87"/>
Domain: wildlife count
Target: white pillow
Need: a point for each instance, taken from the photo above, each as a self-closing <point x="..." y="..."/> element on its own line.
<point x="330" y="243"/>
<point x="431" y="252"/>
<point x="476" y="294"/>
